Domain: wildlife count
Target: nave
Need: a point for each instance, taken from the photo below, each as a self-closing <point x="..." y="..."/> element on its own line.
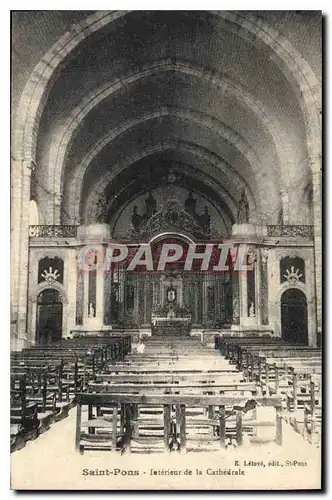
<point x="178" y="395"/>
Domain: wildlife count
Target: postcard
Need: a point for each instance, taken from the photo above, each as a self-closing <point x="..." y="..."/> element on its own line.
<point x="166" y="241"/>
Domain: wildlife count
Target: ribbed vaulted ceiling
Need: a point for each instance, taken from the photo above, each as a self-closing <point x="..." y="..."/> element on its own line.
<point x="154" y="91"/>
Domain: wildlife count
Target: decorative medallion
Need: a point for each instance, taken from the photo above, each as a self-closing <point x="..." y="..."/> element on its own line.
<point x="292" y="275"/>
<point x="50" y="276"/>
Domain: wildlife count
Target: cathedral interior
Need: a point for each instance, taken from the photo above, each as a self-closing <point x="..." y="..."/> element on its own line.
<point x="119" y="115"/>
<point x="177" y="127"/>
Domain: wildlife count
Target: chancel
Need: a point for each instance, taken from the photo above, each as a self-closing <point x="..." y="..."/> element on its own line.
<point x="178" y="136"/>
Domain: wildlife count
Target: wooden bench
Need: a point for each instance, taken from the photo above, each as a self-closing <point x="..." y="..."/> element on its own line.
<point x="279" y="374"/>
<point x="167" y="377"/>
<point x="248" y="355"/>
<point x="24" y="421"/>
<point x="46" y="391"/>
<point x="301" y="379"/>
<point x="177" y="387"/>
<point x="107" y="432"/>
<point x="44" y="380"/>
<point x="313" y="409"/>
<point x="254" y="364"/>
<point x="230" y="347"/>
<point x="70" y="373"/>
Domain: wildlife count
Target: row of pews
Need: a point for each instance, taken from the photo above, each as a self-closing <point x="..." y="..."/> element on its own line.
<point x="45" y="379"/>
<point x="293" y="372"/>
<point x="178" y="395"/>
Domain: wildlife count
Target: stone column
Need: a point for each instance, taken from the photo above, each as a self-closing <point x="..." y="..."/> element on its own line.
<point x="70" y="277"/>
<point x="235" y="290"/>
<point x="100" y="290"/>
<point x="258" y="297"/>
<point x="16" y="208"/>
<point x="181" y="292"/>
<point x="22" y="264"/>
<point x="243" y="289"/>
<point x="80" y="296"/>
<point x="264" y="288"/>
<point x="34" y="259"/>
<point x="122" y="277"/>
<point x="317" y="212"/>
<point x="204" y="300"/>
<point x="248" y="290"/>
<point x="86" y="298"/>
<point x="108" y="297"/>
<point x="252" y="305"/>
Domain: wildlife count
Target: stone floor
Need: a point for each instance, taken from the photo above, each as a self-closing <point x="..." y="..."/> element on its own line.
<point x="50" y="462"/>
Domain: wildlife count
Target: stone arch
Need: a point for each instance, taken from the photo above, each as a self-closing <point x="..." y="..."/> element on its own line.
<point x="213" y="160"/>
<point x="286" y="286"/>
<point x="59" y="148"/>
<point x="207" y="122"/>
<point x="161" y="236"/>
<point x="38" y="288"/>
<point x="41" y="80"/>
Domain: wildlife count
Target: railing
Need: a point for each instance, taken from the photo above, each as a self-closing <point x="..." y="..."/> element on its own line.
<point x="291" y="230"/>
<point x="56" y="231"/>
<point x="70" y="231"/>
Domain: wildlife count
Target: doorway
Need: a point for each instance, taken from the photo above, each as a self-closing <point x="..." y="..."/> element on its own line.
<point x="294" y="317"/>
<point x="49" y="317"/>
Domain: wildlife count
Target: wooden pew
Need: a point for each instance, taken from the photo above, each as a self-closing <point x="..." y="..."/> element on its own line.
<point x="102" y="349"/>
<point x="116" y="436"/>
<point x="24" y="421"/>
<point x="230" y="347"/>
<point x="167" y="377"/>
<point x="248" y="354"/>
<point x="254" y="363"/>
<point x="289" y="357"/>
<point x="41" y="388"/>
<point x="184" y="387"/>
<point x="68" y="374"/>
<point x="279" y="374"/>
<point x="313" y="410"/>
<point x="300" y="386"/>
<point x="160" y="369"/>
<point x="44" y="380"/>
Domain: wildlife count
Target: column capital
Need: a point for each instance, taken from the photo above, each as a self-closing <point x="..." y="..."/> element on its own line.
<point x="252" y="253"/>
<point x="28" y="166"/>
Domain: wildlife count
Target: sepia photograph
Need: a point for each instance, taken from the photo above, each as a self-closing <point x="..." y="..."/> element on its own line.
<point x="166" y="250"/>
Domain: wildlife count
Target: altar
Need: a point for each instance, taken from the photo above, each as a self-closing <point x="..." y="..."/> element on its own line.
<point x="170" y="321"/>
<point x="174" y="326"/>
